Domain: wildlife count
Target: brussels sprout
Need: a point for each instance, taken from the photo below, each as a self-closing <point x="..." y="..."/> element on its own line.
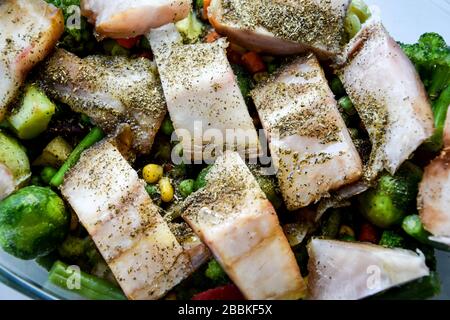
<point x="33" y="222"/>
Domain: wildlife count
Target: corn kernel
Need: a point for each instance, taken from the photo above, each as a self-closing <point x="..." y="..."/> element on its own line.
<point x="152" y="173"/>
<point x="166" y="189"/>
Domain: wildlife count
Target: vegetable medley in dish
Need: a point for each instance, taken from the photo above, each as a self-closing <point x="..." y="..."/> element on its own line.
<point x="223" y="149"/>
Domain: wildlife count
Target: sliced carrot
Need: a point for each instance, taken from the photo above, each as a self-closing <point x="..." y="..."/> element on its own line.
<point x="206" y="4"/>
<point x="128" y="43"/>
<point x="253" y="62"/>
<point x="212" y="36"/>
<point x="368" y="233"/>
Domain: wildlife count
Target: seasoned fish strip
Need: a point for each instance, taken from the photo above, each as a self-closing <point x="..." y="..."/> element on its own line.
<point x="235" y="220"/>
<point x="29" y="30"/>
<point x="282" y="27"/>
<point x="434" y="192"/>
<point x="309" y="142"/>
<point x="341" y="270"/>
<point x="112" y="204"/>
<point x="127" y="19"/>
<point x="389" y="97"/>
<point x="110" y="90"/>
<point x="203" y="97"/>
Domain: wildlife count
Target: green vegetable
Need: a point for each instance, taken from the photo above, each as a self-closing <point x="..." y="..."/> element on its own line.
<point x="13" y="156"/>
<point x="358" y="12"/>
<point x="393" y="197"/>
<point x="47" y="174"/>
<point x="186" y="187"/>
<point x="89" y="286"/>
<point x="420" y="289"/>
<point x="33" y="221"/>
<point x="118" y="50"/>
<point x="391" y="239"/>
<point x="269" y="187"/>
<point x="200" y="182"/>
<point x="152" y="190"/>
<point x="34" y="114"/>
<point x="347" y="105"/>
<point x="431" y="56"/>
<point x="93" y="137"/>
<point x="215" y="272"/>
<point x="72" y="248"/>
<point x="54" y="154"/>
<point x="167" y="127"/>
<point x="191" y="28"/>
<point x="337" y="87"/>
<point x="244" y="81"/>
<point x="77" y="39"/>
<point x="440" y="108"/>
<point x="347" y="237"/>
<point x="330" y="226"/>
<point x="413" y="226"/>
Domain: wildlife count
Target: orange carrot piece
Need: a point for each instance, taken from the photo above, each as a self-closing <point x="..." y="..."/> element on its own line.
<point x="253" y="62"/>
<point x="206" y="4"/>
<point x="212" y="36"/>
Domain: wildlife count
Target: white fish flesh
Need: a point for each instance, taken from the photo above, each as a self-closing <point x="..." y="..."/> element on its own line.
<point x="29" y="30"/>
<point x="110" y="90"/>
<point x="204" y="100"/>
<point x="389" y="96"/>
<point x="233" y="217"/>
<point x="310" y="145"/>
<point x="341" y="270"/>
<point x="136" y="242"/>
<point x="127" y="19"/>
<point x="282" y="27"/>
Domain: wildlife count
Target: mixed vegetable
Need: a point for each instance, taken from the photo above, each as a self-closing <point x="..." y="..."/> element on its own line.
<point x="42" y="139"/>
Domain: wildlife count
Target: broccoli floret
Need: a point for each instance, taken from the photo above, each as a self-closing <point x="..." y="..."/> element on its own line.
<point x="215" y="272"/>
<point x="33" y="222"/>
<point x="392" y="198"/>
<point x="78" y="39"/>
<point x="191" y="28"/>
<point x="391" y="239"/>
<point x="431" y="56"/>
<point x="440" y="108"/>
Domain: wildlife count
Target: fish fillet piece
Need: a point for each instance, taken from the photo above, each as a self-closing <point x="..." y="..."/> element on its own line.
<point x="127" y="19"/>
<point x="110" y="90"/>
<point x="136" y="242"/>
<point x="204" y="100"/>
<point x="309" y="142"/>
<point x="233" y="217"/>
<point x="29" y="30"/>
<point x="389" y="97"/>
<point x="282" y="27"/>
<point x="434" y="193"/>
<point x="341" y="270"/>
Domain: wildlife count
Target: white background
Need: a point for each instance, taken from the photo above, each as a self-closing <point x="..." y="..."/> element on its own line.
<point x="405" y="19"/>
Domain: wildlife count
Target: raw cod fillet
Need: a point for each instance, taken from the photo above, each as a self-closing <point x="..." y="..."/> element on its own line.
<point x="29" y="30"/>
<point x="282" y="27"/>
<point x="340" y="270"/>
<point x="127" y="19"/>
<point x="309" y="142"/>
<point x="136" y="242"/>
<point x="389" y="97"/>
<point x="203" y="97"/>
<point x="233" y="217"/>
<point x="111" y="90"/>
<point x="434" y="193"/>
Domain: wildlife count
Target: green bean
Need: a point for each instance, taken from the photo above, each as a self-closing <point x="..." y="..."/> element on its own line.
<point x="89" y="286"/>
<point x="92" y="137"/>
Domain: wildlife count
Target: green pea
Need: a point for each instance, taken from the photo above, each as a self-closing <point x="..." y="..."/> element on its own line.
<point x="200" y="182"/>
<point x="167" y="126"/>
<point x="47" y="174"/>
<point x="347" y="105"/>
<point x="152" y="190"/>
<point x="337" y="87"/>
<point x="186" y="187"/>
<point x="352" y="24"/>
